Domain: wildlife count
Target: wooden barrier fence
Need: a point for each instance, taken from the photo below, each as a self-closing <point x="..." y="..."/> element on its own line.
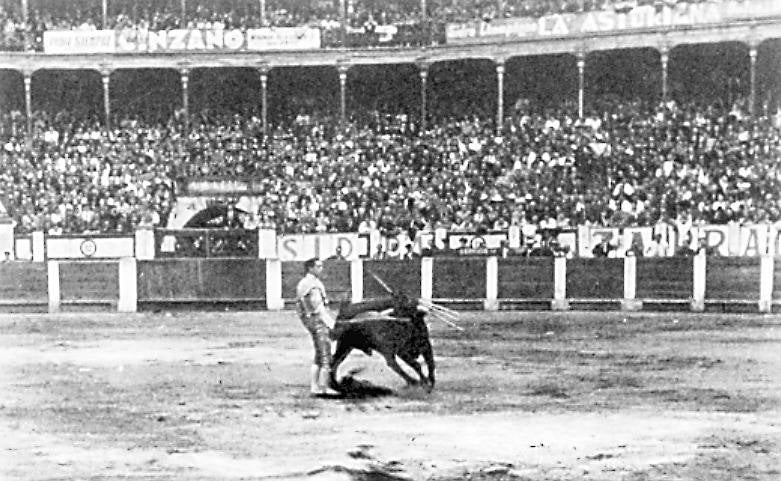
<point x="698" y="283"/>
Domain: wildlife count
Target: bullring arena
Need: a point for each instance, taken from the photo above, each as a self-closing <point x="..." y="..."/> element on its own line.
<point x="520" y="396"/>
<point x="217" y="394"/>
<point x="593" y="185"/>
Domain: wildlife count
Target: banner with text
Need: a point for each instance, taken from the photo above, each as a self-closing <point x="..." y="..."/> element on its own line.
<point x="98" y="247"/>
<point x="300" y="247"/>
<point x="71" y="42"/>
<point x="723" y="240"/>
<point x="605" y="21"/>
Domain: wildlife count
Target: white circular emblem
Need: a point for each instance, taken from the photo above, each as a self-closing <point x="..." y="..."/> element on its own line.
<point x="88" y="248"/>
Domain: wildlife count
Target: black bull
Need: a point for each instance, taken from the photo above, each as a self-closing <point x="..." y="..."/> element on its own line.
<point x="407" y="338"/>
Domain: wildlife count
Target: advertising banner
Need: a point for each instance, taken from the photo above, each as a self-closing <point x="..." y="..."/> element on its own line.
<point x="179" y="40"/>
<point x="489" y="240"/>
<point x="72" y="42"/>
<point x="609" y="20"/>
<point x="287" y="38"/>
<point x="300" y="247"/>
<point x="724" y="240"/>
<point x="78" y="247"/>
<point x="497" y="29"/>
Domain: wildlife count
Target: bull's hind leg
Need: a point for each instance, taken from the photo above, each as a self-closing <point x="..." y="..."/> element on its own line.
<point x="428" y="355"/>
<point x="390" y="359"/>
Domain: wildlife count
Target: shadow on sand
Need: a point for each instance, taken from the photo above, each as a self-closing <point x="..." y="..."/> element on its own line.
<point x="353" y="388"/>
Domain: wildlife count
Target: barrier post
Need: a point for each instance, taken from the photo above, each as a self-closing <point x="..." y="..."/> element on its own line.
<point x="698" y="282"/>
<point x="629" y="303"/>
<point x="560" y="302"/>
<point x="356" y="279"/>
<point x="426" y="278"/>
<point x="766" y="275"/>
<point x="491" y="284"/>
<point x="39" y="246"/>
<point x="145" y="244"/>
<point x="128" y="285"/>
<point x="53" y="281"/>
<point x="274" y="301"/>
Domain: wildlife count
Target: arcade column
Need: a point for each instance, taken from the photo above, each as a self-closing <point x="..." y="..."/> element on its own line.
<point x="423" y="100"/>
<point x="264" y="97"/>
<point x="752" y="99"/>
<point x="185" y="75"/>
<point x="105" y="77"/>
<point x="581" y="81"/>
<point x="343" y="93"/>
<point x="499" y="95"/>
<point x="664" y="54"/>
<point x="28" y="99"/>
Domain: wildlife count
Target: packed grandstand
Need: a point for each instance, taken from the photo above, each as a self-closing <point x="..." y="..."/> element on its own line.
<point x="708" y="153"/>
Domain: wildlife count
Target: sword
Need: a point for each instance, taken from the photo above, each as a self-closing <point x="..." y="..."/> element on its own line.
<point x="381" y="283"/>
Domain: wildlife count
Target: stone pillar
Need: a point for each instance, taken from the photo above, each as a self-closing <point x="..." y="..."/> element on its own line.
<point x="356" y="280"/>
<point x="698" y="282"/>
<point x="343" y="93"/>
<point x="264" y="98"/>
<point x="581" y="81"/>
<point x="752" y="98"/>
<point x="499" y="95"/>
<point x="766" y="278"/>
<point x="426" y="278"/>
<point x="53" y="285"/>
<point x="263" y="19"/>
<point x="665" y="58"/>
<point x="629" y="302"/>
<point x="559" y="302"/>
<point x="25" y="10"/>
<point x="105" y="76"/>
<point x="183" y="6"/>
<point x="104" y="25"/>
<point x="28" y="100"/>
<point x="185" y="73"/>
<point x="423" y="97"/>
<point x="274" y="300"/>
<point x="491" y="284"/>
<point x="128" y="285"/>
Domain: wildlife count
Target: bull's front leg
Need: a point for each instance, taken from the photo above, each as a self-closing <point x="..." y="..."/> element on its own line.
<point x="415" y="365"/>
<point x="390" y="359"/>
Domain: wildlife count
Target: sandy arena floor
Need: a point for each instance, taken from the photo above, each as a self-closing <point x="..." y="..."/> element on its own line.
<point x="520" y="396"/>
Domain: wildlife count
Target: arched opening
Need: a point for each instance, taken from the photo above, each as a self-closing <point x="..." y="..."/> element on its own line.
<point x="80" y="92"/>
<point x="708" y="73"/>
<point x="303" y="90"/>
<point x="623" y="75"/>
<point x="385" y="89"/>
<point x="151" y="94"/>
<point x="225" y="90"/>
<point x="463" y="88"/>
<point x="540" y="83"/>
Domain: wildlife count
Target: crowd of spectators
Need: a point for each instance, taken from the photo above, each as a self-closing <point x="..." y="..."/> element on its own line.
<point x="624" y="163"/>
<point x="363" y="19"/>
